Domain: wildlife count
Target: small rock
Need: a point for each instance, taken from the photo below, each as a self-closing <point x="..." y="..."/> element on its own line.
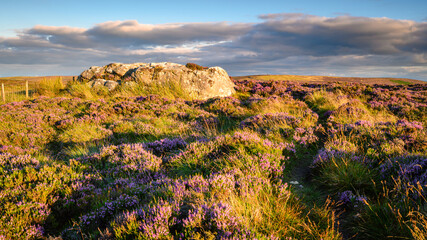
<point x="111" y="85"/>
<point x="92" y="72"/>
<point x="96" y="83"/>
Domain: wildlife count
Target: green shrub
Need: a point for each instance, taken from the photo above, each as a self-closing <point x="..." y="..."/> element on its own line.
<point x="194" y="66"/>
<point x="382" y="220"/>
<point x="342" y="174"/>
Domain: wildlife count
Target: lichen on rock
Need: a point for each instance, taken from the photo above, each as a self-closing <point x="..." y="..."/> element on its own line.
<point x="200" y="83"/>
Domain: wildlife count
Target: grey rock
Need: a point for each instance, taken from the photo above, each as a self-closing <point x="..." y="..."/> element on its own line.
<point x="120" y="69"/>
<point x="111" y="85"/>
<point x="96" y="82"/>
<point x="92" y="72"/>
<point x="200" y="84"/>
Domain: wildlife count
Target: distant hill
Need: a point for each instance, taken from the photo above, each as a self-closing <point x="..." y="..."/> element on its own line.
<point x="326" y="79"/>
<point x="291" y="78"/>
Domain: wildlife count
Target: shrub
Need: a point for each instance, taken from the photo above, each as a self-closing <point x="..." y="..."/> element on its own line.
<point x="194" y="66"/>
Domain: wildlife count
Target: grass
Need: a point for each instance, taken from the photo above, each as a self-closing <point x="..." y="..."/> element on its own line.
<point x="401" y="82"/>
<point x="275" y="213"/>
<point x="323" y="101"/>
<point x="343" y="174"/>
<point x="129" y="164"/>
<point x="16" y="91"/>
<point x="15" y="87"/>
<point x="168" y="89"/>
<point x="56" y="86"/>
<point x="49" y="87"/>
<point x="83" y="133"/>
<point x="81" y="90"/>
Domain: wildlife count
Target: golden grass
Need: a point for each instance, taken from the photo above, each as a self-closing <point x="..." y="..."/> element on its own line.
<point x="274" y="214"/>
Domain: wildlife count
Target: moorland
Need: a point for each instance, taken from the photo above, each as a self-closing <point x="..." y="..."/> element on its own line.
<point x="280" y="159"/>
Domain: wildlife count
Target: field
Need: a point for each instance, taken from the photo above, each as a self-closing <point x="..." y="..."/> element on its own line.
<point x="278" y="160"/>
<point x="15" y="87"/>
<point x="327" y="79"/>
<point x="14" y="80"/>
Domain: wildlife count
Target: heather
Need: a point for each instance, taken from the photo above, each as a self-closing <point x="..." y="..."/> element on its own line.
<point x="277" y="160"/>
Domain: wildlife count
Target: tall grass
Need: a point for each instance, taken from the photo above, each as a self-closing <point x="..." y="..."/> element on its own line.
<point x="80" y="90"/>
<point x="393" y="216"/>
<point x="167" y="89"/>
<point x="323" y="100"/>
<point x="49" y="87"/>
<point x="281" y="215"/>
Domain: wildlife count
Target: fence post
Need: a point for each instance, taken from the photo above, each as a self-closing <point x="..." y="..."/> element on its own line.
<point x="26" y="89"/>
<point x="2" y="93"/>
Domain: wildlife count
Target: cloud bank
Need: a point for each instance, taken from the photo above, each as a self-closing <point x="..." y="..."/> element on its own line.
<point x="279" y="43"/>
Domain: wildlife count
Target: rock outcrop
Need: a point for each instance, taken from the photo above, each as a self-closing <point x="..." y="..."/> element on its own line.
<point x="111" y="85"/>
<point x="200" y="84"/>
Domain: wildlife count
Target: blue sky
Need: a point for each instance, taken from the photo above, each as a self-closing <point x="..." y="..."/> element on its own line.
<point x="373" y="37"/>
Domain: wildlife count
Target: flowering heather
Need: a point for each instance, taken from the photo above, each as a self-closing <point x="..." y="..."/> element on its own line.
<point x="270" y="119"/>
<point x="411" y="170"/>
<point x="348" y="199"/>
<point x="100" y="215"/>
<point x="305" y="136"/>
<point x="228" y="106"/>
<point x="149" y="167"/>
<point x="160" y="147"/>
<point x="9" y="162"/>
<point x="325" y="155"/>
<point x="125" y="158"/>
<point x="405" y="102"/>
<point x="389" y="136"/>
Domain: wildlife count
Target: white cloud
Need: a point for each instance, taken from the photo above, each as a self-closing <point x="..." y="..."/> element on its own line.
<point x="279" y="43"/>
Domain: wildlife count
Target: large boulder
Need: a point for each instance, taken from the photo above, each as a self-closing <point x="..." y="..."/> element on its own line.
<point x="202" y="83"/>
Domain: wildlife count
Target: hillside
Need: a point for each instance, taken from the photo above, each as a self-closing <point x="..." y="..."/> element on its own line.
<point x="290" y="78"/>
<point x="327" y="79"/>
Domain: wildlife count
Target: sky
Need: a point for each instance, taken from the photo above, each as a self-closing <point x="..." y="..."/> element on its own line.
<point x="357" y="38"/>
